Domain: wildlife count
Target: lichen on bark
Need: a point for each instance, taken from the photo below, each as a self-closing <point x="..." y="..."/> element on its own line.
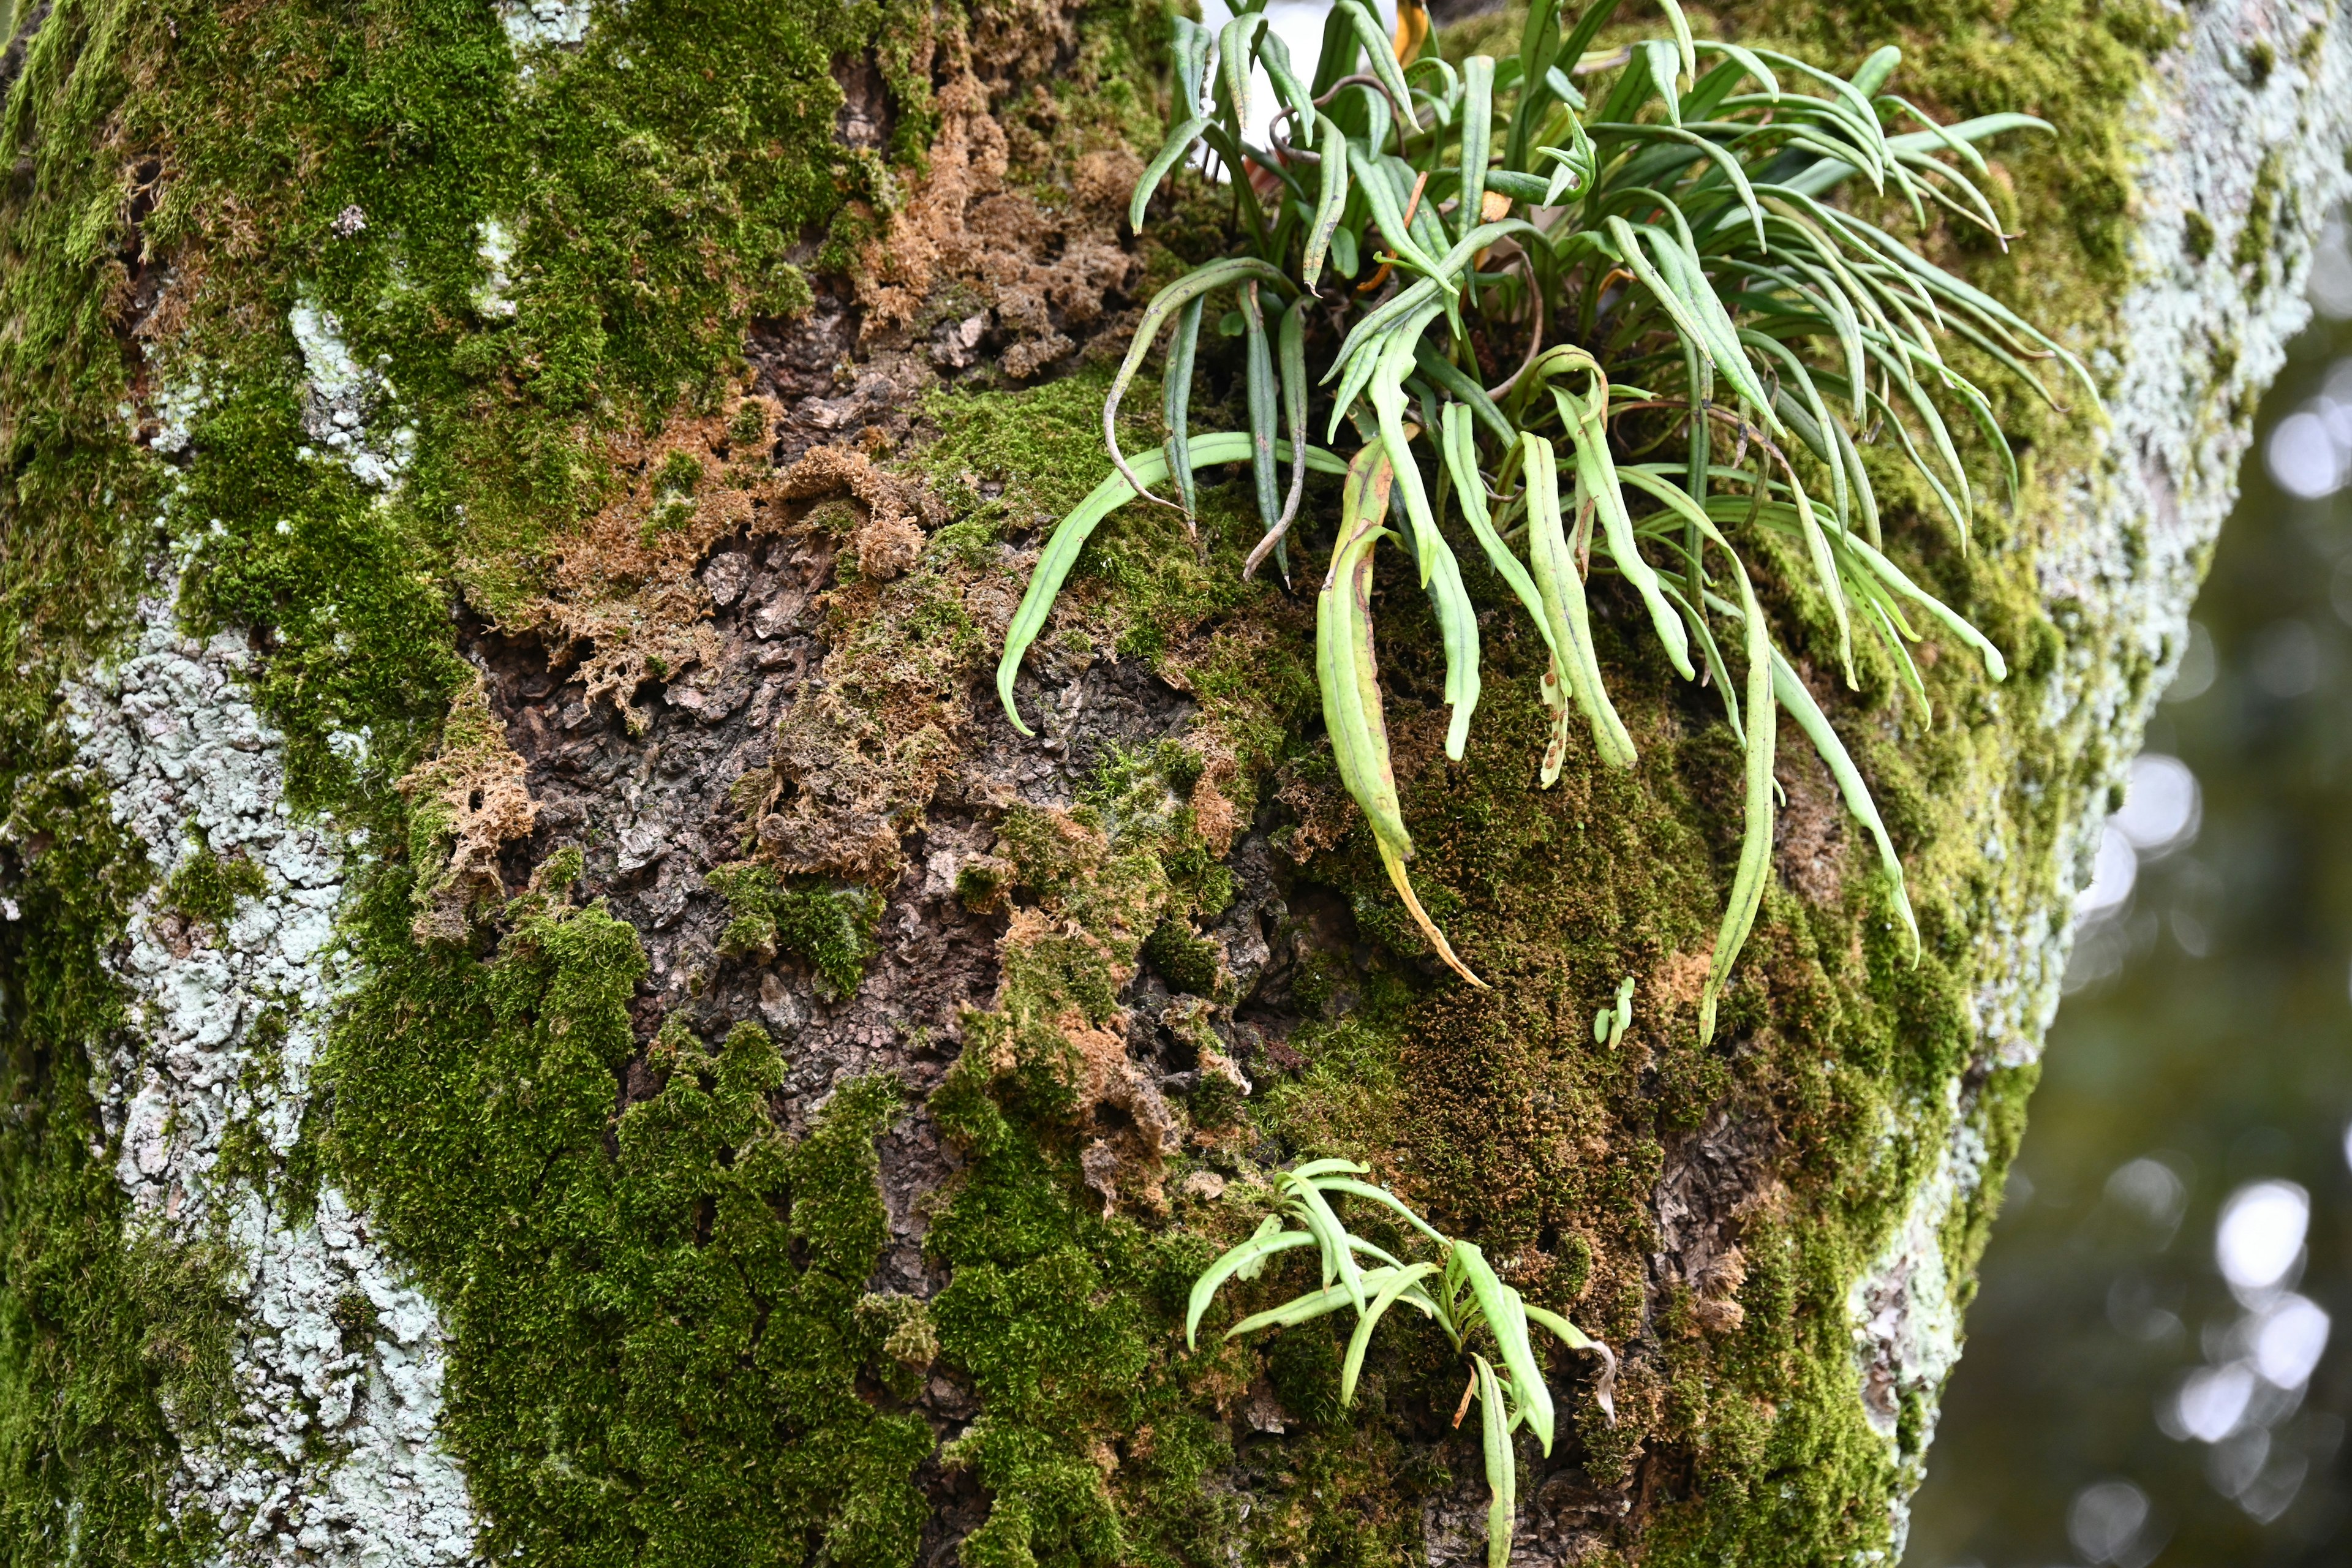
<point x="803" y="1102"/>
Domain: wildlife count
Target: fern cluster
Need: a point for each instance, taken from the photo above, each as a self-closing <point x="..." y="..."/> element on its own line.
<point x="1460" y="1293"/>
<point x="1709" y="342"/>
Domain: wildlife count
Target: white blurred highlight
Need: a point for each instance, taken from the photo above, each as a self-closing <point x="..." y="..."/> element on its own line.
<point x="2260" y="1238"/>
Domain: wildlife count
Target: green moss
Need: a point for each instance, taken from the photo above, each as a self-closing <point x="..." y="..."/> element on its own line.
<point x="1187" y="961"/>
<point x="909" y="1339"/>
<point x="829" y="925"/>
<point x="656" y="1315"/>
<point x="2254" y="247"/>
<point x="99" y="1330"/>
<point x="1090" y="1442"/>
<point x="207" y="888"/>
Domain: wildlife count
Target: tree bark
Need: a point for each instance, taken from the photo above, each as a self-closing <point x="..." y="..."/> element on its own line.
<point x="549" y="1017"/>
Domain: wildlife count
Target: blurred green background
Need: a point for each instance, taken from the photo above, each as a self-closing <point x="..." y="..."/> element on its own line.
<point x="2158" y="1367"/>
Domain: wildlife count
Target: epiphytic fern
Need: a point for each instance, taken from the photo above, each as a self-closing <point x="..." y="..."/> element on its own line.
<point x="1673" y="260"/>
<point x="1460" y="1293"/>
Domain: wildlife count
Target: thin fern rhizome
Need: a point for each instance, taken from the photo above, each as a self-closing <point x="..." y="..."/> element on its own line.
<point x="1704" y="342"/>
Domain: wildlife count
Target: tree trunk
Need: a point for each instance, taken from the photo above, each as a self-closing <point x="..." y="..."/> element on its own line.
<point x="550" y="1016"/>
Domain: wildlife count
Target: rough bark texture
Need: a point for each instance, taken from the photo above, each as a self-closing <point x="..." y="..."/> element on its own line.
<point x="549" y="1017"/>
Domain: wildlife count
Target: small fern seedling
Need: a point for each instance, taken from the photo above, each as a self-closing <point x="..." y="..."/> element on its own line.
<point x="1486" y="1320"/>
<point x="1711" y="340"/>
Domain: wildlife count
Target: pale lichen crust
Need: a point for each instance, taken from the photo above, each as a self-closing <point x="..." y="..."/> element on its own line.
<point x="338" y="1362"/>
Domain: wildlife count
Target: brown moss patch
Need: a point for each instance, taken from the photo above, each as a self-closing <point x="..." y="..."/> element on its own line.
<point x="466" y="805"/>
<point x="1041" y="267"/>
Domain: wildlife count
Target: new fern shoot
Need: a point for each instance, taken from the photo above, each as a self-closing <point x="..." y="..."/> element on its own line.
<point x="1705" y="341"/>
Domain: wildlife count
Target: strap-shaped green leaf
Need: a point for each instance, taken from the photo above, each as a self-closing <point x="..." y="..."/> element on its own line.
<point x="1380" y="1195"/>
<point x="1499" y="1305"/>
<point x="1291" y="350"/>
<point x="1339" y="1258"/>
<point x="1235" y="41"/>
<point x="1191" y="45"/>
<point x="1384" y="56"/>
<point x="1191" y="285"/>
<point x="1400" y="1282"/>
<point x="1518" y="186"/>
<point x="1605" y="1386"/>
<point x="1756" y="841"/>
<point x="1179" y="142"/>
<point x="1358" y="730"/>
<point x="1471" y="396"/>
<point x="1447" y="98"/>
<point x="1457" y="624"/>
<point x="1462" y="468"/>
<point x="1265" y="399"/>
<point x="1176" y="402"/>
<point x="1331" y="199"/>
<point x="1747" y="60"/>
<point x="1664" y="63"/>
<point x="1302" y="1308"/>
<point x="1440" y="576"/>
<point x="1587" y="420"/>
<point x="1421" y="216"/>
<point x="1553" y="566"/>
<point x="1568" y="1334"/>
<point x="1478" y="128"/>
<point x="1956" y="290"/>
<point x="1387" y="390"/>
<point x="1502" y="1465"/>
<point x="1191" y="57"/>
<point x="1070" y="535"/>
<point x="1380" y="196"/>
<point x="1872" y="74"/>
<point x="1689" y="315"/>
<point x="1369" y="337"/>
<point x="1817" y="543"/>
<point x="1958" y="625"/>
<point x="1851" y="108"/>
<point x="1811" y="418"/>
<point x="1336" y="56"/>
<point x="1256" y="1249"/>
<point x="1881" y="616"/>
<point x="1275" y="55"/>
<point x="1686" y="46"/>
<point x="1350" y="681"/>
<point x="1721" y="156"/>
<point x="1801" y="706"/>
<point x="1718" y="672"/>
